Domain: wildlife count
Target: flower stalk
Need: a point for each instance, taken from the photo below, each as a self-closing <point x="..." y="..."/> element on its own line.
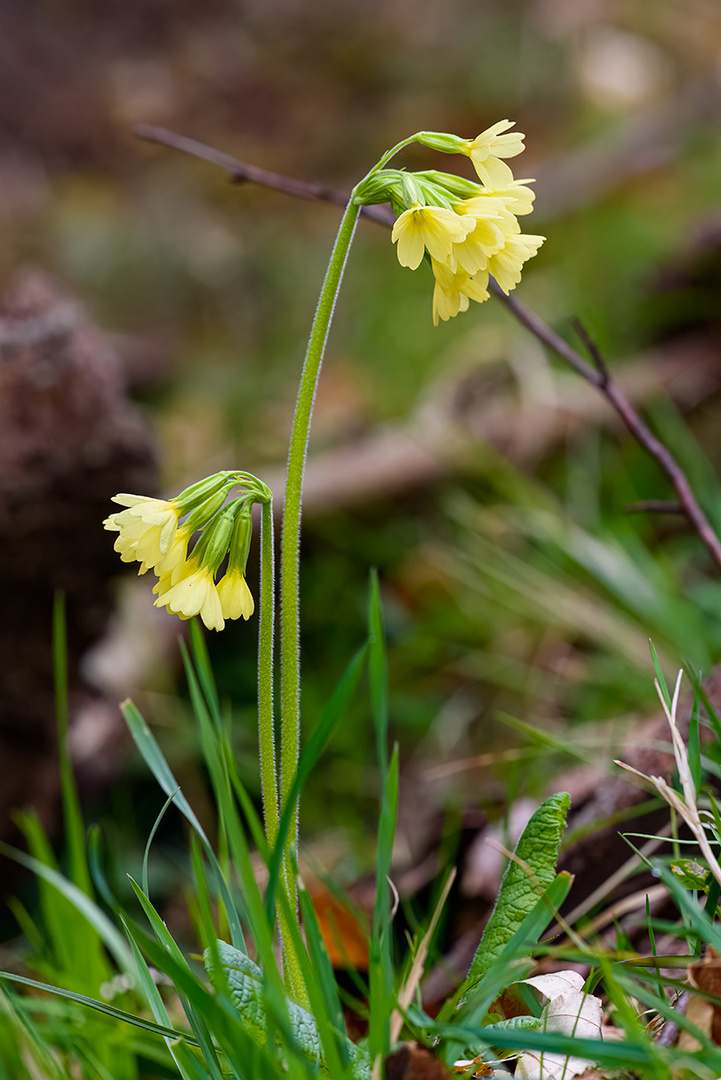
<point x="290" y="554"/>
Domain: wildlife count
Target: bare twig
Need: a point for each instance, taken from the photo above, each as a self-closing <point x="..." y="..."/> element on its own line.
<point x="593" y="350"/>
<point x="654" y="506"/>
<point x="240" y="171"/>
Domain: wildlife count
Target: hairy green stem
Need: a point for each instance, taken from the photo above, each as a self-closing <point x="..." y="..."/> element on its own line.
<point x="266" y="733"/>
<point x="289" y="561"/>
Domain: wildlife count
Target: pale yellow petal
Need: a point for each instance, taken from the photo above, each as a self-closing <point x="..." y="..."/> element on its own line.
<point x="409" y="239"/>
<point x="493" y="172"/>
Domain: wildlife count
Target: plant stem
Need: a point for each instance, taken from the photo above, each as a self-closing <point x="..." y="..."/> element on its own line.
<point x="266" y="734"/>
<point x="289" y="560"/>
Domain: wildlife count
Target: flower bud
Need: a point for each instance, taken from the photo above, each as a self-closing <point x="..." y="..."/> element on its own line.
<point x="411" y="194"/>
<point x="198" y="492"/>
<point x="240" y="542"/>
<point x="441" y="140"/>
<point x="205" y="510"/>
<point x="457" y="186"/>
<point x="378" y="187"/>
<point x="213" y="545"/>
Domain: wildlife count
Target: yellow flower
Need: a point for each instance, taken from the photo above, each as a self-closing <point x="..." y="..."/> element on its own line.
<point x="517" y="196"/>
<point x="506" y="264"/>
<point x="431" y="228"/>
<point x="171" y="565"/>
<point x="194" y="594"/>
<point x="485" y="238"/>
<point x="486" y="150"/>
<point x="146" y="529"/>
<point x="236" y="599"/>
<point x="454" y="288"/>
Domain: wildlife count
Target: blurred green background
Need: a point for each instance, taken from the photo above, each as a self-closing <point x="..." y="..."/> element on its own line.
<point x="485" y="483"/>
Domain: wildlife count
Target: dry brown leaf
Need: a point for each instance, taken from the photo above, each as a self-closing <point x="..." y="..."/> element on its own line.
<point x="414" y="1062"/>
<point x="704" y="975"/>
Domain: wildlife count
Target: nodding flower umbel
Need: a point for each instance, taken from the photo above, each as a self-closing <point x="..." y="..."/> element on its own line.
<point x="156" y="533"/>
<point x="467" y="230"/>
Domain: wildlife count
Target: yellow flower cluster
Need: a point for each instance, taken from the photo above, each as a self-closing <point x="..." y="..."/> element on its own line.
<point x="150" y="531"/>
<point x="476" y="237"/>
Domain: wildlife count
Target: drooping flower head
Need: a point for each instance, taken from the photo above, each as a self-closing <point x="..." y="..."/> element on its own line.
<point x="157" y="533"/>
<point x="467" y="231"/>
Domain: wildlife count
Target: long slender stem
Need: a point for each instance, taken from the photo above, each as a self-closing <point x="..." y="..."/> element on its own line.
<point x="266" y="733"/>
<point x="289" y="561"/>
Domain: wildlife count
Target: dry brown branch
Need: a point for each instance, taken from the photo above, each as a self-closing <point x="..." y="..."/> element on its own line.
<point x="600" y="379"/>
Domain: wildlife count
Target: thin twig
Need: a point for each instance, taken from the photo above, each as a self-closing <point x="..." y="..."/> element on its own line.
<point x="240" y="171"/>
<point x="593" y="350"/>
<point x="654" y="506"/>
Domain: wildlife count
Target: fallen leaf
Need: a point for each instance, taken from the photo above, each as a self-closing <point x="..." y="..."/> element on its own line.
<point x="414" y="1062"/>
<point x="569" y="1011"/>
<point x="706" y="1015"/>
<point x="343" y="936"/>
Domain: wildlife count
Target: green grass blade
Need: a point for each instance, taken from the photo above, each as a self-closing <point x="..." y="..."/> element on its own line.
<point x="166" y="939"/>
<point x="74" y="947"/>
<point x="25" y="1038"/>
<point x="378" y="672"/>
<point x="330" y="716"/>
<point x="380" y="959"/>
<point x="98" y="1006"/>
<point x="204" y="670"/>
<point x="151" y="837"/>
<point x="73" y="819"/>
<point x="155" y="760"/>
<point x="97" y="919"/>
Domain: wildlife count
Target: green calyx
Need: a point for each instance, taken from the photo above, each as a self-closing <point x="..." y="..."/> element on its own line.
<point x="240" y="540"/>
<point x="443" y="141"/>
<point x="213" y="545"/>
<point x="193" y="496"/>
<point x="206" y="510"/>
<point x="404" y="190"/>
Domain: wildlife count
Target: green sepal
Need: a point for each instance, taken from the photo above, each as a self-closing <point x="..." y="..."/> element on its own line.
<point x="197" y="493"/>
<point x="213" y="545"/>
<point x="382" y="186"/>
<point x="457" y="186"/>
<point x="441" y="140"/>
<point x="204" y="511"/>
<point x="240" y="541"/>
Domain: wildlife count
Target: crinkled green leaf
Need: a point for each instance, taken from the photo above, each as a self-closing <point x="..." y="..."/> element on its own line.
<point x="245" y="980"/>
<point x="527" y="876"/>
